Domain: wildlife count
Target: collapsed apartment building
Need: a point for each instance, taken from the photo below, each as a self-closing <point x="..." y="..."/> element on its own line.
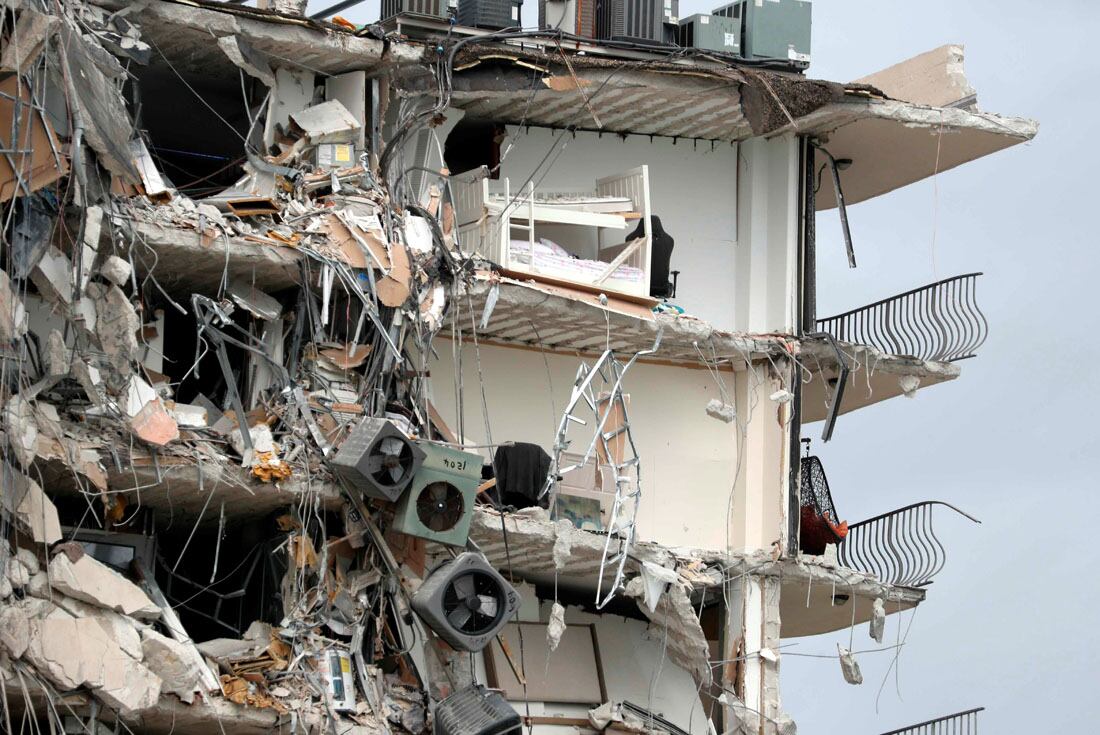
<point x="348" y="387"/>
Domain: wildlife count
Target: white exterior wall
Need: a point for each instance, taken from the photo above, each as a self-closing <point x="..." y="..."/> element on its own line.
<point x="765" y="287"/>
<point x="688" y="459"/>
<point x="692" y="189"/>
<point x="635" y="668"/>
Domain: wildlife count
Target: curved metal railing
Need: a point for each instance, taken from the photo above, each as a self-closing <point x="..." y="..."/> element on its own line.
<point x="940" y="321"/>
<point x="899" y="547"/>
<point x="960" y="723"/>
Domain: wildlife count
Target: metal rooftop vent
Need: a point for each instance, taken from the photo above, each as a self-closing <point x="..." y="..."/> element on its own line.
<point x="493" y="14"/>
<point x="638" y="21"/>
<point x="431" y="8"/>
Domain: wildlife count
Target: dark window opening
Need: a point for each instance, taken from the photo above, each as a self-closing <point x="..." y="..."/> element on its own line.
<point x="474" y="143"/>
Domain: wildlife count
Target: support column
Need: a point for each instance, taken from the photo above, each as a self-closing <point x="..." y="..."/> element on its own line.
<point x="751" y="642"/>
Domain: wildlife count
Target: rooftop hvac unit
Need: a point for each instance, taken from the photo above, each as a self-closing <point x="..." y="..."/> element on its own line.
<point x="476" y="711"/>
<point x="377" y="459"/>
<point x="440" y="501"/>
<point x="466" y="602"/>
<point x="431" y="8"/>
<point x="711" y="32"/>
<point x="571" y="16"/>
<point x="638" y="21"/>
<point x="494" y="14"/>
<point x="773" y="30"/>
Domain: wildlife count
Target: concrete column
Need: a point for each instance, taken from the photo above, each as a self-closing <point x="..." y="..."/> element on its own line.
<point x="766" y="263"/>
<point x="752" y="634"/>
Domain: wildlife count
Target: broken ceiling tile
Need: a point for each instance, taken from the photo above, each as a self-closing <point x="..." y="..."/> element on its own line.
<point x="254" y="301"/>
<point x="91" y="581"/>
<point x="328" y="122"/>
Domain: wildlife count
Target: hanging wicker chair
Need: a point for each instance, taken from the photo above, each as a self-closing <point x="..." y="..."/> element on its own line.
<point x="820" y="525"/>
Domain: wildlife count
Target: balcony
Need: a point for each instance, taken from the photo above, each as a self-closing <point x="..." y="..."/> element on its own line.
<point x="960" y="723"/>
<point x="899" y="547"/>
<point x="940" y="322"/>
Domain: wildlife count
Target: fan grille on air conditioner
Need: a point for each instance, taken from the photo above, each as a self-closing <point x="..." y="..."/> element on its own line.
<point x="440" y="506"/>
<point x="390" y="462"/>
<point x="473" y="603"/>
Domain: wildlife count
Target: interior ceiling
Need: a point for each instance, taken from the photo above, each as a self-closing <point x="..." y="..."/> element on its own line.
<point x="670" y="105"/>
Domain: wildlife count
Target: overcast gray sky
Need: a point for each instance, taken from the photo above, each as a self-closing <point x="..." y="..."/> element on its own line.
<point x="1012" y="623"/>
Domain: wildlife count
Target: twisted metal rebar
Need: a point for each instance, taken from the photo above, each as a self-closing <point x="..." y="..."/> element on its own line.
<point x="960" y="723"/>
<point x="899" y="547"/>
<point x="940" y="321"/>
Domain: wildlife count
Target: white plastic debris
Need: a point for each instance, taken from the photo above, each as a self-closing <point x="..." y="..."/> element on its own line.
<point x="720" y="410"/>
<point x="849" y="666"/>
<point x="655" y="580"/>
<point x="878" y="620"/>
<point x="556" y="627"/>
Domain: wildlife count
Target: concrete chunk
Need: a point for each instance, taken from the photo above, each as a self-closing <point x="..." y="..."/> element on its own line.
<point x="90" y="581"/>
<point x="32" y="509"/>
<point x="174" y="663"/>
<point x="116" y="270"/>
<point x="75" y="652"/>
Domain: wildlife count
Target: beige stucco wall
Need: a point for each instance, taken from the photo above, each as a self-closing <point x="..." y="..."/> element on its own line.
<point x="688" y="459"/>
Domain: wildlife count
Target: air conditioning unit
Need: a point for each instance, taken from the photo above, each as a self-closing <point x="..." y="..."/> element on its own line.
<point x="773" y="30"/>
<point x="377" y="459"/>
<point x="638" y="21"/>
<point x="711" y="32"/>
<point x="440" y="501"/>
<point x="494" y="14"/>
<point x="466" y="602"/>
<point x="572" y="16"/>
<point x="476" y="711"/>
<point x="431" y="8"/>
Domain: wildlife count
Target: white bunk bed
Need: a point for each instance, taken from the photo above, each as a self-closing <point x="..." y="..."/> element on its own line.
<point x="577" y="238"/>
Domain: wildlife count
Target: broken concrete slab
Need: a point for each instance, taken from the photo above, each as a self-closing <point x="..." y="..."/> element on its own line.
<point x="935" y="78"/>
<point x="52" y="277"/>
<point x="91" y="581"/>
<point x="328" y="122"/>
<point x="21" y="429"/>
<point x="175" y="664"/>
<point x="13" y="314"/>
<point x="76" y="652"/>
<point x="116" y="270"/>
<point x="117" y="325"/>
<point x="33" y="511"/>
<point x="120" y="628"/>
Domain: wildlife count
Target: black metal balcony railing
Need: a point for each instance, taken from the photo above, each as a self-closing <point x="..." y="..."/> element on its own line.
<point x="960" y="723"/>
<point x="940" y="322"/>
<point x="899" y="547"/>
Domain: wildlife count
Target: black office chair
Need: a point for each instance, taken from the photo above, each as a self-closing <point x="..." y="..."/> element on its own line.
<point x="660" y="257"/>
